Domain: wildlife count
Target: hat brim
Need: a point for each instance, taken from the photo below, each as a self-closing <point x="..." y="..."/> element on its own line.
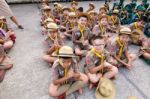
<point x="124" y="33"/>
<point x="99" y="96"/>
<point x="84" y="15"/>
<point x="65" y="55"/>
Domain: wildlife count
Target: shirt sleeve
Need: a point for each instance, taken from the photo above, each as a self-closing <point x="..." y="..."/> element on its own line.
<point x="89" y="61"/>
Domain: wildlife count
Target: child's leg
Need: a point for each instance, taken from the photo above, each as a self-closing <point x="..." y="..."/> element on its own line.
<point x="94" y="78"/>
<point x="56" y="90"/>
<point x="8" y="45"/>
<point x="84" y="78"/>
<point x="75" y="86"/>
<point x="146" y="55"/>
<point x="112" y="70"/>
<point x="2" y="74"/>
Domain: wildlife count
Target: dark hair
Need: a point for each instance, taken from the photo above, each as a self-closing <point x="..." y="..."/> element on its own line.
<point x="66" y="57"/>
<point x="80" y="9"/>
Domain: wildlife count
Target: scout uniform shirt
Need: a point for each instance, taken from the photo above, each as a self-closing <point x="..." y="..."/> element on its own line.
<point x="114" y="21"/>
<point x="116" y="48"/>
<point x="80" y="35"/>
<point x="70" y="26"/>
<point x="99" y="30"/>
<point x="136" y="26"/>
<point x="53" y="40"/>
<point x="63" y="20"/>
<point x="58" y="71"/>
<point x="94" y="59"/>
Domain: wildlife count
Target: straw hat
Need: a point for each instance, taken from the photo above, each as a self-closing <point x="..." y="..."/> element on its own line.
<point x="52" y="26"/>
<point x="74" y="2"/>
<point x="48" y="20"/>
<point x="103" y="7"/>
<point x="92" y="12"/>
<point x="72" y="14"/>
<point x="84" y="15"/>
<point x="103" y="16"/>
<point x="125" y="30"/>
<point x="46" y="8"/>
<point x="66" y="8"/>
<point x="132" y="97"/>
<point x="105" y="89"/>
<point x="115" y="11"/>
<point x="66" y="51"/>
<point x="92" y="5"/>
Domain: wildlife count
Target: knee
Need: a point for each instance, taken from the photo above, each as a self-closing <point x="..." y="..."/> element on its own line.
<point x="51" y="91"/>
<point x="115" y="70"/>
<point x="84" y="78"/>
<point x="78" y="52"/>
<point x="133" y="56"/>
<point x="8" y="44"/>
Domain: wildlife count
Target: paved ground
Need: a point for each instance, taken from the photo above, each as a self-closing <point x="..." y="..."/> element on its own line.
<point x="30" y="76"/>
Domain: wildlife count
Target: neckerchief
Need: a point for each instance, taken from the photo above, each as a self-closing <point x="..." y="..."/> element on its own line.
<point x="102" y="29"/>
<point x="139" y="16"/>
<point x="93" y="50"/>
<point x="81" y="31"/>
<point x="65" y="71"/>
<point x="121" y="48"/>
<point x="2" y="24"/>
<point x="114" y="20"/>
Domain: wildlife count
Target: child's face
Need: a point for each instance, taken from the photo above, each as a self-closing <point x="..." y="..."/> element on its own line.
<point x="1" y="21"/>
<point x="99" y="44"/>
<point x="72" y="19"/>
<point x="102" y="11"/>
<point x="74" y="6"/>
<point x="65" y="12"/>
<point x="104" y="21"/>
<point x="66" y="62"/>
<point x="124" y="38"/>
<point x="54" y="32"/>
<point x="82" y="21"/>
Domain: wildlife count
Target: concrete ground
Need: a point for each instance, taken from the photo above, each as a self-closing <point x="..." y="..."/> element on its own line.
<point x="30" y="77"/>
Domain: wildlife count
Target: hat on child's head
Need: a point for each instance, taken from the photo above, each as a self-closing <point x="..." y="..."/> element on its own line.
<point x="66" y="51"/>
<point x="125" y="30"/>
<point x="52" y="26"/>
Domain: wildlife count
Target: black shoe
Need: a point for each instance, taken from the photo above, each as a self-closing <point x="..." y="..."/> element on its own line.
<point x="20" y="27"/>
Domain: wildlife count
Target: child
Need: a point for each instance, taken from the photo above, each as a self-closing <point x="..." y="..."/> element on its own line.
<point x="81" y="35"/>
<point x="54" y="40"/>
<point x="119" y="49"/>
<point x="5" y="63"/>
<point x="97" y="62"/>
<point x="145" y="51"/>
<point x="66" y="77"/>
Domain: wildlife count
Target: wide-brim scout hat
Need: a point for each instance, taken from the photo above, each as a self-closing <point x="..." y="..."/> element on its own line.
<point x="84" y="15"/>
<point x="92" y="12"/>
<point x="125" y="30"/>
<point x="74" y="2"/>
<point x="72" y="14"/>
<point x="103" y="7"/>
<point x="66" y="51"/>
<point x="92" y="5"/>
<point x="66" y="8"/>
<point x="115" y="11"/>
<point x="103" y="16"/>
<point x="46" y="8"/>
<point x="55" y="4"/>
<point x="52" y="26"/>
<point x="2" y="17"/>
<point x="105" y="89"/>
<point x="48" y="20"/>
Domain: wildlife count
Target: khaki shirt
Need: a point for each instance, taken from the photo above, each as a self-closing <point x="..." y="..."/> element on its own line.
<point x="58" y="71"/>
<point x="92" y="60"/>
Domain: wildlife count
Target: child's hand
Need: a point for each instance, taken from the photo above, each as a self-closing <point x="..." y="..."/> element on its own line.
<point x="70" y="74"/>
